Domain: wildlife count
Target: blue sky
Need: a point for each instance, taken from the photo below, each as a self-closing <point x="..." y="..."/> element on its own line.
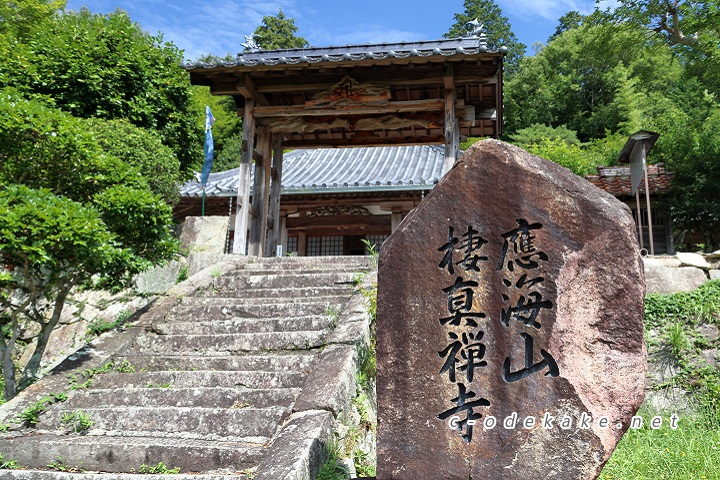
<point x="217" y="27"/>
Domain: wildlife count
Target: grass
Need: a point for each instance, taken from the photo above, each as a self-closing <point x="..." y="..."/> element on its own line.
<point x="692" y="451"/>
<point x="159" y="469"/>
<point x="8" y="464"/>
<point x="77" y="421"/>
<point x="332" y="469"/>
<point x="99" y="325"/>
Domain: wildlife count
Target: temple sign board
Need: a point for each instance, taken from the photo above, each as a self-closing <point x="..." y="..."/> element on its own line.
<point x="510" y="337"/>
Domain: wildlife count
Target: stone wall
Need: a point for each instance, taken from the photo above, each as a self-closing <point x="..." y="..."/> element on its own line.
<point x="682" y="272"/>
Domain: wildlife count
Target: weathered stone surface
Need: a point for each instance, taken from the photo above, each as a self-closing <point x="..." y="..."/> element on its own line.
<point x="714" y="274"/>
<point x="692" y="260"/>
<point x="204" y="234"/>
<point x="670" y="280"/>
<point x="709" y="331"/>
<point x="198" y="261"/>
<point x="661" y="261"/>
<point x="298" y="452"/>
<point x="158" y="279"/>
<point x="558" y="263"/>
<point x="331" y="385"/>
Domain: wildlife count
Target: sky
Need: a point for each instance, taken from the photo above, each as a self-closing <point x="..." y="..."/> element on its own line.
<point x="217" y="27"/>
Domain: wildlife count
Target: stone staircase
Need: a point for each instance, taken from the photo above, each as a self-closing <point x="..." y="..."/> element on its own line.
<point x="239" y="372"/>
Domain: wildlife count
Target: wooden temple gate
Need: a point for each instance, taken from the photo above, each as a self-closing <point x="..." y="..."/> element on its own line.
<point x="431" y="92"/>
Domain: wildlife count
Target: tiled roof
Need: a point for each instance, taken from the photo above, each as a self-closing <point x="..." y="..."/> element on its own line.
<point x="469" y="45"/>
<point x="346" y="170"/>
<point x="616" y="180"/>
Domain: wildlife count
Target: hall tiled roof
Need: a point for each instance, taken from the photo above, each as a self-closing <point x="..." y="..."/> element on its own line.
<point x="468" y="45"/>
<point x="346" y="170"/>
<point x="616" y="180"/>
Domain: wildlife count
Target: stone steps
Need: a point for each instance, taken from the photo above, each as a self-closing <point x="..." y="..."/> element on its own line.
<point x="120" y="454"/>
<point x="203" y="309"/>
<point x="253" y="379"/>
<point x="276" y="361"/>
<point x="245" y="325"/>
<point x="213" y="375"/>
<point x="279" y="293"/>
<point x="283" y="280"/>
<point x="347" y="263"/>
<point x="233" y="343"/>
<point x="254" y="425"/>
<point x="208" y="397"/>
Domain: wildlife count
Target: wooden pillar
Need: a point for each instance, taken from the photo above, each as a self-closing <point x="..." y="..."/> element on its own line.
<point x="273" y="238"/>
<point x="284" y="233"/>
<point x="395" y="219"/>
<point x="261" y="193"/>
<point x="302" y="244"/>
<point x="243" y="198"/>
<point x="452" y="128"/>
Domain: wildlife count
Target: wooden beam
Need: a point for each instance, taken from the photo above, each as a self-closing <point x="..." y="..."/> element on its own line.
<point x="275" y="233"/>
<point x="247" y="88"/>
<point x="386" y="108"/>
<point x="243" y="204"/>
<point x="261" y="194"/>
<point x="362" y="141"/>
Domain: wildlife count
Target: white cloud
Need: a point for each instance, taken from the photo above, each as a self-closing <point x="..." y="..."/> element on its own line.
<point x="546" y="9"/>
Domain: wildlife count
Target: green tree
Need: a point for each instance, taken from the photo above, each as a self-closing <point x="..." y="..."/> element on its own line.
<point x="680" y="22"/>
<point x="691" y="27"/>
<point x="105" y="66"/>
<point x="696" y="185"/>
<point x="594" y="79"/>
<point x="142" y="149"/>
<point x="538" y="132"/>
<point x="568" y="21"/>
<point x="278" y="32"/>
<point x="19" y="17"/>
<point x="689" y="146"/>
<point x="68" y="212"/>
<point x="497" y="27"/>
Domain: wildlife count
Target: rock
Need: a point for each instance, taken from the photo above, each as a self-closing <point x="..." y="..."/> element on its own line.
<point x="710" y="357"/>
<point x="713" y="257"/>
<point x="514" y="291"/>
<point x="693" y="260"/>
<point x="204" y="234"/>
<point x="158" y="279"/>
<point x="709" y="331"/>
<point x="661" y="261"/>
<point x="199" y="261"/>
<point x="670" y="280"/>
<point x="671" y="400"/>
<point x="714" y="274"/>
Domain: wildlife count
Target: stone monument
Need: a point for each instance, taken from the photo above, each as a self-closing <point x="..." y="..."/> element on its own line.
<point x="510" y="332"/>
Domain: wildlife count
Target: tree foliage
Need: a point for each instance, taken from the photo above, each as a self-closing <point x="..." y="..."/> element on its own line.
<point x="538" y="132"/>
<point x="570" y="20"/>
<point x="48" y="244"/>
<point x="19" y="17"/>
<point x="141" y="149"/>
<point x="620" y="71"/>
<point x="278" y="32"/>
<point x="105" y="66"/>
<point x="593" y="79"/>
<point x="692" y="28"/>
<point x="497" y="27"/>
<point x="69" y="211"/>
